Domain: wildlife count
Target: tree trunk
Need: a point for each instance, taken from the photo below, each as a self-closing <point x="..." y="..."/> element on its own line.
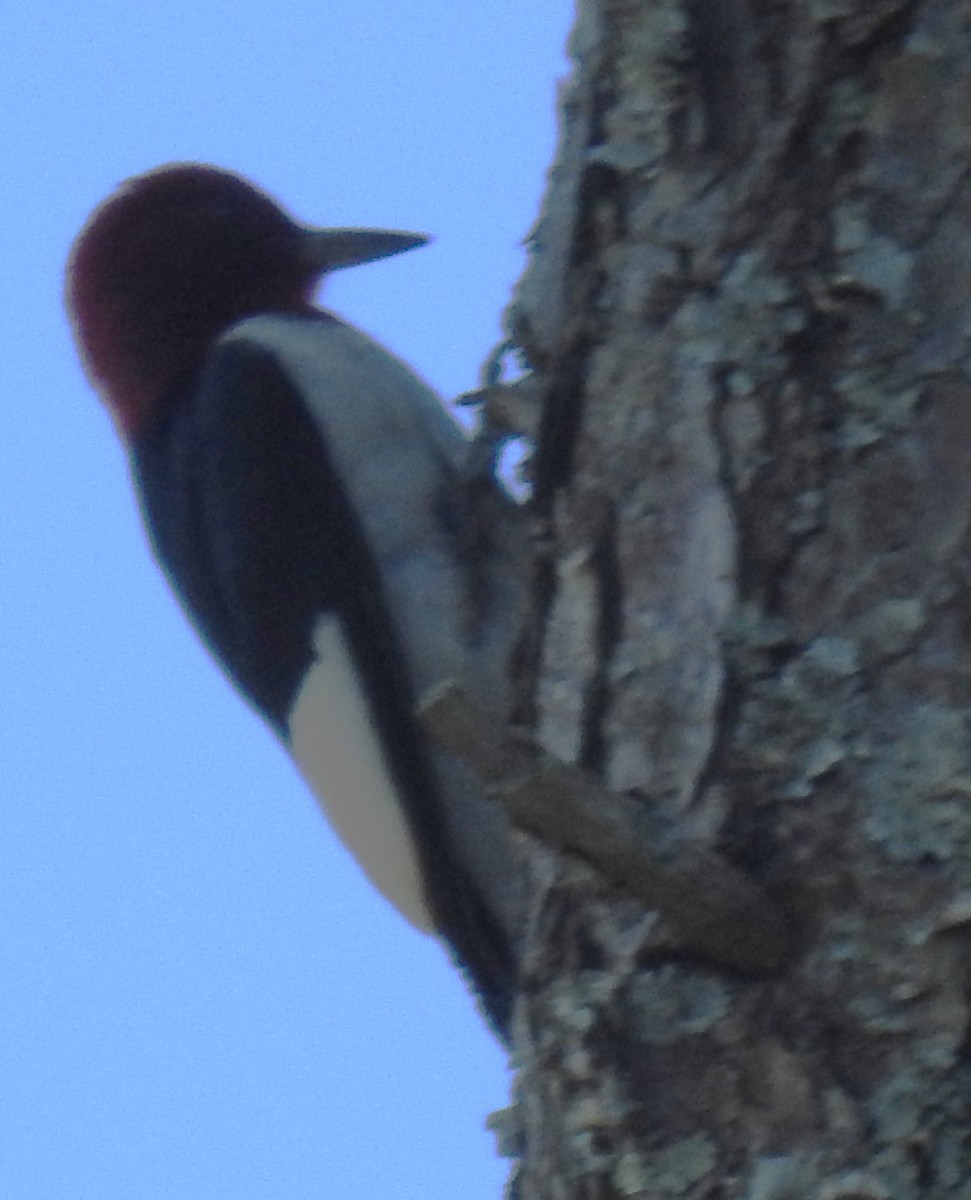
<point x="749" y="306"/>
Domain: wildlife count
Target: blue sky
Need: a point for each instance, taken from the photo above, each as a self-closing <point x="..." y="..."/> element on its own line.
<point x="199" y="996"/>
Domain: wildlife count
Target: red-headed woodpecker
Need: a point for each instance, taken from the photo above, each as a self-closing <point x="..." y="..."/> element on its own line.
<point x="305" y="493"/>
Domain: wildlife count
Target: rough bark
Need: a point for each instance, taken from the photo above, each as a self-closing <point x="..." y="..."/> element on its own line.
<point x="749" y="308"/>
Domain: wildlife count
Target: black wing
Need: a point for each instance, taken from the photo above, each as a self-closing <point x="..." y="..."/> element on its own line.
<point x="253" y="526"/>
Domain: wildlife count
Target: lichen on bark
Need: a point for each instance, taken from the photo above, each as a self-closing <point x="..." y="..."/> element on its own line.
<point x="748" y="301"/>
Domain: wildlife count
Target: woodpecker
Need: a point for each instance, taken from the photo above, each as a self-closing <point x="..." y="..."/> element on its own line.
<point x="305" y="493"/>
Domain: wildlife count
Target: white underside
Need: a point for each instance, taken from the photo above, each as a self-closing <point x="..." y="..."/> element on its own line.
<point x="397" y="453"/>
<point x="339" y="754"/>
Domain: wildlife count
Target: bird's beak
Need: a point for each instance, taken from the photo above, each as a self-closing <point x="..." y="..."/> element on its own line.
<point x="331" y="249"/>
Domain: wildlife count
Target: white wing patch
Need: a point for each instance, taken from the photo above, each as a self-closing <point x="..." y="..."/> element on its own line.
<point x="337" y="749"/>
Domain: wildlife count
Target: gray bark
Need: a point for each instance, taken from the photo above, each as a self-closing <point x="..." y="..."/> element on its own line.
<point x="749" y="307"/>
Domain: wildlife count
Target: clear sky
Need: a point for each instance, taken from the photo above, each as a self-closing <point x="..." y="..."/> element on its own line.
<point x="199" y="996"/>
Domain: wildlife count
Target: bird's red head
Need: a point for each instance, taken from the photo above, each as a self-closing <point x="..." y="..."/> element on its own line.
<point x="175" y="257"/>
